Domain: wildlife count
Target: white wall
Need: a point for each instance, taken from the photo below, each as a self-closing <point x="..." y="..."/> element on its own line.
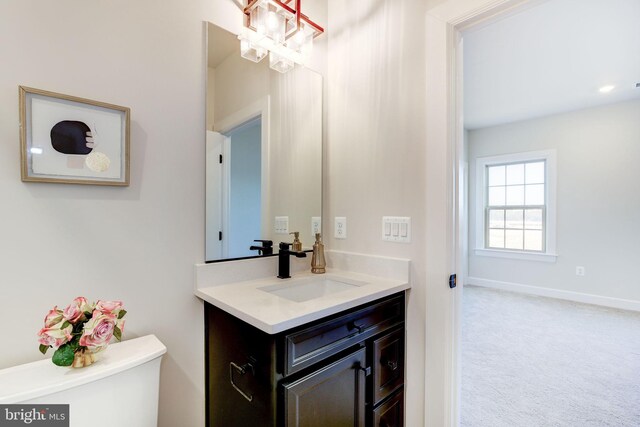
<point x="376" y="147"/>
<point x="238" y="84"/>
<point x="211" y="90"/>
<point x="293" y="162"/>
<point x="295" y="152"/>
<point x="388" y="153"/>
<point x="140" y="243"/>
<point x="597" y="205"/>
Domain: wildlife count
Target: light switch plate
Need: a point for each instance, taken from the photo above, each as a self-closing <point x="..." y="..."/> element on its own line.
<point x="316" y="225"/>
<point x="396" y="229"/>
<point x="340" y="227"/>
<point x="282" y="225"/>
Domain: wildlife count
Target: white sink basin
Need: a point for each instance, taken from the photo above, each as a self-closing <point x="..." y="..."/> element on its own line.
<point x="308" y="288"/>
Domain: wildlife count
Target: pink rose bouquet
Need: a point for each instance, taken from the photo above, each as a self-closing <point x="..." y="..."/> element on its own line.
<point x="80" y="330"/>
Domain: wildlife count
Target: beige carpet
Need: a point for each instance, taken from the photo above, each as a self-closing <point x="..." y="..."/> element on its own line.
<point x="535" y="361"/>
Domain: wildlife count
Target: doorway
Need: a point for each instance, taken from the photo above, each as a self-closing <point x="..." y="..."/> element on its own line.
<point x="243" y="168"/>
<point x="584" y="266"/>
<point x="235" y="177"/>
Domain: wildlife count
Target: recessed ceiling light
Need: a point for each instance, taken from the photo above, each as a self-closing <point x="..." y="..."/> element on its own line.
<point x="607" y="89"/>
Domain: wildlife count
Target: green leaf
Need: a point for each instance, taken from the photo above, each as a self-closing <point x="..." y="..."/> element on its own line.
<point x="65" y="324"/>
<point x="122" y="313"/>
<point x="74" y="343"/>
<point x="43" y="348"/>
<point x="117" y="333"/>
<point x="63" y="355"/>
<point x="78" y="328"/>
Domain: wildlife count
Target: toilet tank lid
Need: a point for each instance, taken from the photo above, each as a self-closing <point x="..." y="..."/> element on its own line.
<point x="32" y="380"/>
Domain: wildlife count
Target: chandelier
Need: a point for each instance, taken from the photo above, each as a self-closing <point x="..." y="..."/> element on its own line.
<point x="280" y="29"/>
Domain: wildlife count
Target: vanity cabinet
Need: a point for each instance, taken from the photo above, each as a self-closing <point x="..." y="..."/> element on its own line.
<point x="331" y="396"/>
<point x="343" y="370"/>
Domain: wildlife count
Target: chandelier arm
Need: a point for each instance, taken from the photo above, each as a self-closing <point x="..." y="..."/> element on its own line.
<point x="276" y="22"/>
<point x="318" y="29"/>
<point x="284" y="4"/>
<point x="253" y="3"/>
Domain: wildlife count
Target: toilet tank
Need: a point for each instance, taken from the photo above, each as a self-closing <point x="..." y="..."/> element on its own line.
<point x="121" y="388"/>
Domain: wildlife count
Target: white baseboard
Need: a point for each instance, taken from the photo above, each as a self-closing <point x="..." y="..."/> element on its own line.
<point x="620" y="303"/>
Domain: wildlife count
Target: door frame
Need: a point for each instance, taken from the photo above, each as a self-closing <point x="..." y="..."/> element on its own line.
<point x="456" y="24"/>
<point x="258" y="109"/>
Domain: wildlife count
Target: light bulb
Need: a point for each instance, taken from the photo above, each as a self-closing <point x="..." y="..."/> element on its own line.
<point x="272" y="21"/>
<point x="275" y="25"/>
<point x="259" y="18"/>
<point x="299" y="37"/>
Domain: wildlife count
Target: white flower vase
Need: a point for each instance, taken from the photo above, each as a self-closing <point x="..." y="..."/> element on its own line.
<point x="83" y="358"/>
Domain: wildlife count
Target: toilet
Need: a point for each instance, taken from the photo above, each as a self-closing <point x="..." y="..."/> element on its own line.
<point x="121" y="388"/>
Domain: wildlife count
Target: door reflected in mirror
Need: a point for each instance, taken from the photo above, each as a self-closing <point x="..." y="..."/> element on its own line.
<point x="263" y="152"/>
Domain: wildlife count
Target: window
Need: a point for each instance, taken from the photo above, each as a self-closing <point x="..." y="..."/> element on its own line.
<point x="515" y="212"/>
<point x="515" y="206"/>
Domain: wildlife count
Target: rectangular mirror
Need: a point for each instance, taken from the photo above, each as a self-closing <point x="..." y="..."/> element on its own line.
<point x="263" y="152"/>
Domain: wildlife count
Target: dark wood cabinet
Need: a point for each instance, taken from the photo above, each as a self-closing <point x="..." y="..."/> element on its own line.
<point x="391" y="412"/>
<point x="388" y="364"/>
<point x="343" y="370"/>
<point x="331" y="396"/>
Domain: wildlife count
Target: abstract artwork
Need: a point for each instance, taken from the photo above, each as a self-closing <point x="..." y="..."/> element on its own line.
<point x="72" y="140"/>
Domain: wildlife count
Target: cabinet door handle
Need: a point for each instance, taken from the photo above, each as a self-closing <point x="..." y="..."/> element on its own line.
<point x="366" y="370"/>
<point x="391" y="364"/>
<point x="241" y="370"/>
<point x="359" y="411"/>
<point x="353" y="325"/>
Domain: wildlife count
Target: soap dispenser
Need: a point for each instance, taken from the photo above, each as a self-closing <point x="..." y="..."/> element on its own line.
<point x="296" y="246"/>
<point x="318" y="263"/>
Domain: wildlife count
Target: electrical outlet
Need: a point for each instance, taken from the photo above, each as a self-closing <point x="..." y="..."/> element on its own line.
<point x="340" y="227"/>
<point x="316" y="225"/>
<point x="282" y="225"/>
<point x="580" y="270"/>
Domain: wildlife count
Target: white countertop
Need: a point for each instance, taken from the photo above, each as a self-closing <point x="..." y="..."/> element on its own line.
<point x="273" y="314"/>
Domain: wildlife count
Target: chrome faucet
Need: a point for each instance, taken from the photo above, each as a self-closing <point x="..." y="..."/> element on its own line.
<point x="284" y="264"/>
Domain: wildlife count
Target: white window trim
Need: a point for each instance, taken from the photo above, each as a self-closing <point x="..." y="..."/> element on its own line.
<point x="549" y="255"/>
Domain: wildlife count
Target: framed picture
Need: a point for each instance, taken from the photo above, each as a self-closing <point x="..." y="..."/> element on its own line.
<point x="72" y="140"/>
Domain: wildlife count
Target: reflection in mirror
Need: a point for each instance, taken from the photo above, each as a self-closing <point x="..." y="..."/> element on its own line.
<point x="264" y="152"/>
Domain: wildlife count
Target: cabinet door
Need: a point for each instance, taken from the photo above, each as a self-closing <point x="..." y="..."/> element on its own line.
<point x="391" y="412"/>
<point x="388" y="364"/>
<point x="332" y="396"/>
<point x="239" y="373"/>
